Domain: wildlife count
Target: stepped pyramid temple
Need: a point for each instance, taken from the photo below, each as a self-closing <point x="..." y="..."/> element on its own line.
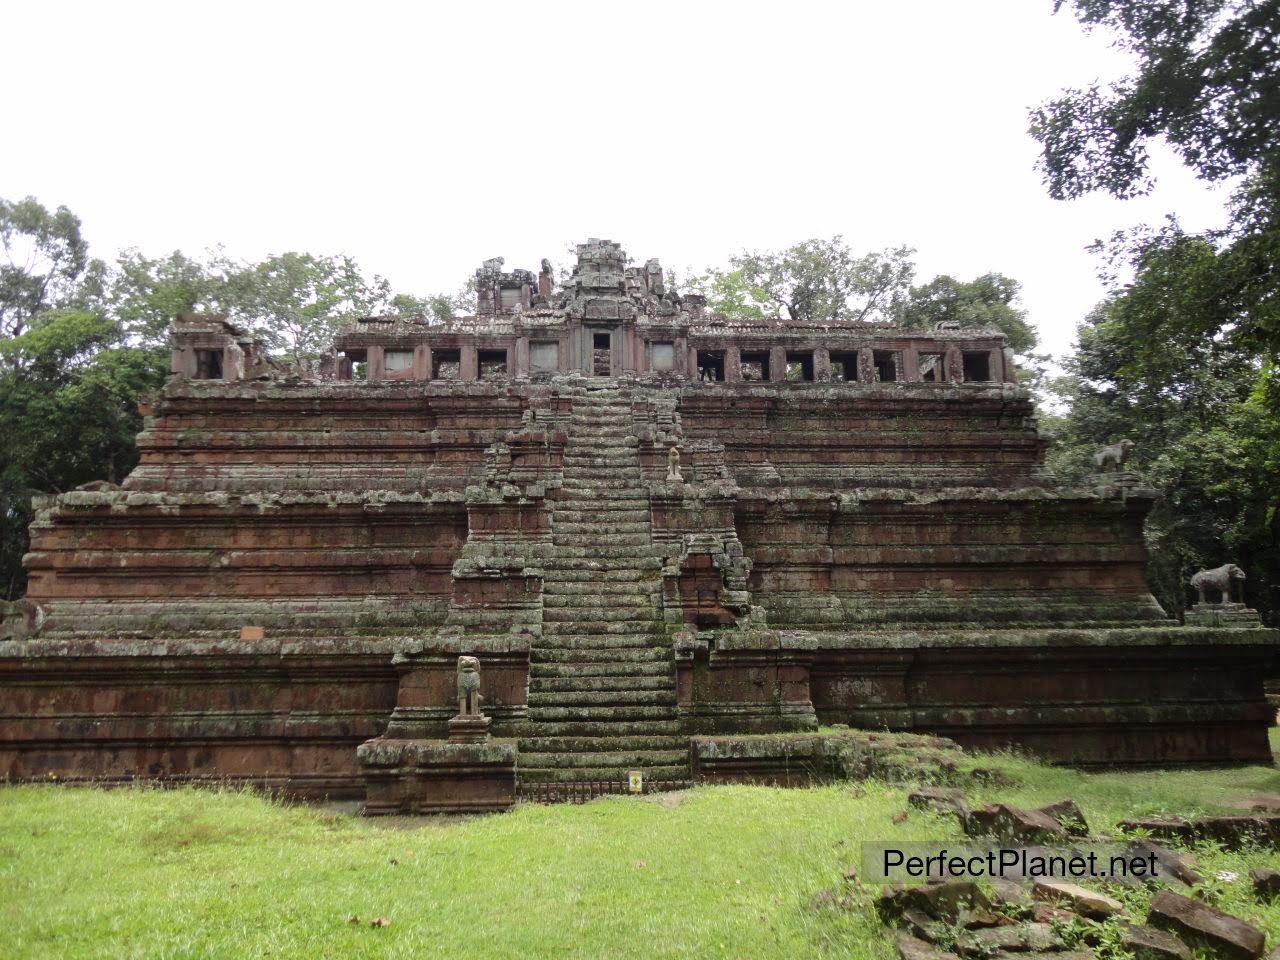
<point x="653" y="530"/>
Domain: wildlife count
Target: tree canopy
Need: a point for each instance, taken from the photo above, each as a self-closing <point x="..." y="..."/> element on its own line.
<point x="1207" y="83"/>
<point x="824" y="282"/>
<point x="815" y="281"/>
<point x="82" y="341"/>
<point x="1181" y="356"/>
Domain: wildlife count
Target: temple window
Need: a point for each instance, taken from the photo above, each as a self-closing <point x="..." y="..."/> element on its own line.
<point x="710" y="366"/>
<point x="208" y="365"/>
<point x="844" y="366"/>
<point x="977" y="367"/>
<point x="493" y="364"/>
<point x="888" y="365"/>
<point x="397" y="361"/>
<point x="755" y="366"/>
<point x="446" y="364"/>
<point x="544" y="356"/>
<point x="509" y="298"/>
<point x="932" y="368"/>
<point x="662" y="356"/>
<point x="799" y="366"/>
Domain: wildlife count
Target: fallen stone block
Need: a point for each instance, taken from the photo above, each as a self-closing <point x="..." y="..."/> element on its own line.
<point x="1234" y="832"/>
<point x="1148" y="943"/>
<point x="1010" y="893"/>
<point x="1068" y="816"/>
<point x="921" y="925"/>
<point x="1266" y="882"/>
<point x="1080" y="899"/>
<point x="939" y="800"/>
<point x="913" y="948"/>
<point x="1173" y="829"/>
<point x="1169" y="865"/>
<point x="1047" y="913"/>
<point x="979" y="917"/>
<point x="1190" y="920"/>
<point x="947" y="899"/>
<point x="1020" y="937"/>
<point x="1011" y="823"/>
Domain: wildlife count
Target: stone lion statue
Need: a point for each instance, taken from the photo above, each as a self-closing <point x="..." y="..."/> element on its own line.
<point x="1220" y="578"/>
<point x="1111" y="458"/>
<point x="673" y="465"/>
<point x="20" y="619"/>
<point x="469" y="687"/>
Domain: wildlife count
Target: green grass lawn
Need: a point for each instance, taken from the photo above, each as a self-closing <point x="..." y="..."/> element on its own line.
<point x="713" y="872"/>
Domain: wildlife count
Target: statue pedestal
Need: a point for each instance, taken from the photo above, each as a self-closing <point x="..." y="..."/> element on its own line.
<point x="437" y="776"/>
<point x="463" y="729"/>
<point x="1223" y="615"/>
<point x="1118" y="482"/>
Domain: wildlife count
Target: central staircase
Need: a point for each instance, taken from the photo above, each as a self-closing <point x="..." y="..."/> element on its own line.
<point x="602" y="696"/>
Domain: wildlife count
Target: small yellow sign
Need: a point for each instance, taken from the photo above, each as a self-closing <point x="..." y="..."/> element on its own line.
<point x="635" y="780"/>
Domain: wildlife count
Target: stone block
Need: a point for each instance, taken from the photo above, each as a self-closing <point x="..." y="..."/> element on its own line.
<point x="435" y="776"/>
<point x="1195" y="922"/>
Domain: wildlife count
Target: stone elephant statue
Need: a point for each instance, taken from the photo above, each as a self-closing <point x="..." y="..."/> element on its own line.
<point x="1220" y="578"/>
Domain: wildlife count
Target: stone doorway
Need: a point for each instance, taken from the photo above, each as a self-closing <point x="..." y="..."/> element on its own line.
<point x="601" y="353"/>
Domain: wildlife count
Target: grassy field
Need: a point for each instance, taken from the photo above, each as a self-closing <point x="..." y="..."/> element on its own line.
<point x="713" y="872"/>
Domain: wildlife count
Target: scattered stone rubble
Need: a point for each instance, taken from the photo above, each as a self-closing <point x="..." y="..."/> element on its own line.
<point x="958" y="918"/>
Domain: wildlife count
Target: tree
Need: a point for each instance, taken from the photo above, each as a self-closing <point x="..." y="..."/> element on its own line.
<point x="69" y="389"/>
<point x="728" y="292"/>
<point x="45" y="258"/>
<point x="987" y="301"/>
<point x="816" y="281"/>
<point x="1204" y="433"/>
<point x="1207" y="83"/>
<point x="436" y="308"/>
<point x="145" y="294"/>
<point x="297" y="301"/>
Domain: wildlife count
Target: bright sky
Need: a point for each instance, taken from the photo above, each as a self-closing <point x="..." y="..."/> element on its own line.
<point x="422" y="138"/>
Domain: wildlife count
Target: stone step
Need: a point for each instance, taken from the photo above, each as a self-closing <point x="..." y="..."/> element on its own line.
<point x="638" y="602"/>
<point x="598" y="654"/>
<point x="590" y="598"/>
<point x="600" y="615"/>
<point x="545" y="699"/>
<point x="599" y="712"/>
<point x="604" y="510"/>
<point x="579" y="568"/>
<point x="610" y="491"/>
<point x="601" y="527"/>
<point x="598" y="728"/>
<point x="615" y="540"/>
<point x="599" y="589"/>
<point x="602" y="480"/>
<point x="602" y="668"/>
<point x="613" y="630"/>
<point x="620" y="744"/>
<point x="572" y="774"/>
<point x="632" y="759"/>
<point x="619" y="644"/>
<point x="577" y="684"/>
<point x="637" y="504"/>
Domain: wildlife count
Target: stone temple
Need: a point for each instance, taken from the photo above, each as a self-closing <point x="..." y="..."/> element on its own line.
<point x="646" y="523"/>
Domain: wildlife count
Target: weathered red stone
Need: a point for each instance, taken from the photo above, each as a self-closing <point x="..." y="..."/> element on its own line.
<point x="849" y="531"/>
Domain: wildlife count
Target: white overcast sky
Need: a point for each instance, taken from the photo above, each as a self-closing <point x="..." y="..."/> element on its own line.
<point x="422" y="138"/>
